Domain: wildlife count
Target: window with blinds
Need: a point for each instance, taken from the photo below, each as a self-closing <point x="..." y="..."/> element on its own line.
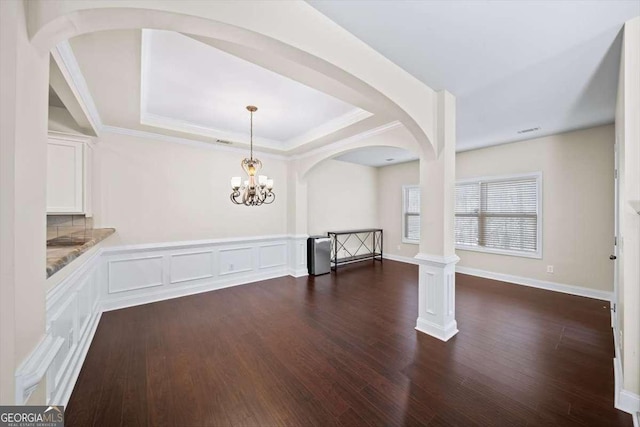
<point x="500" y="215"/>
<point x="411" y="214"/>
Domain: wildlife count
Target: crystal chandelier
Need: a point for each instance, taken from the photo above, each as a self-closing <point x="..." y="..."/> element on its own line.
<point x="253" y="192"/>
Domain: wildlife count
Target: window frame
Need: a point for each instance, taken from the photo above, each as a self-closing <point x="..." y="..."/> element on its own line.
<point x="508" y="252"/>
<point x="405" y="214"/>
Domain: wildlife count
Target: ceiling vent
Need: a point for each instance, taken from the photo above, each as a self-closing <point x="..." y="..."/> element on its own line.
<point x="529" y="130"/>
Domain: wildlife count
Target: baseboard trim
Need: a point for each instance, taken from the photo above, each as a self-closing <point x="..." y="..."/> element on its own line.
<point x="624" y="400"/>
<point x="629" y="402"/>
<point x="400" y="258"/>
<point x="540" y="284"/>
<point x="518" y="280"/>
<point x="437" y="331"/>
<point x="300" y="272"/>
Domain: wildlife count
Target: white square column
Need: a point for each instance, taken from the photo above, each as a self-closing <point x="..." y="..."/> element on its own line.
<point x="437" y="296"/>
<point x="437" y="257"/>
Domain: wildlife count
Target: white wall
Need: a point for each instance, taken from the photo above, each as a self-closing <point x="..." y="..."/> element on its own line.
<point x="627" y="130"/>
<point x="24" y="76"/>
<point x="390" y="180"/>
<point x="577" y="216"/>
<point x="577" y="205"/>
<point x="156" y="191"/>
<point x="341" y="196"/>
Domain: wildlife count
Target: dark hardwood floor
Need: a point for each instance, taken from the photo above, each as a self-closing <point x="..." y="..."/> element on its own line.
<point x="341" y="350"/>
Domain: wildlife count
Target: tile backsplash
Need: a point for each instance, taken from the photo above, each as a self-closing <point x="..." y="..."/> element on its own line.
<point x="63" y="225"/>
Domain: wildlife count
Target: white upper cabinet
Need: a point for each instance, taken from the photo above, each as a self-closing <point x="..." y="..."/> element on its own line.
<point x="68" y="174"/>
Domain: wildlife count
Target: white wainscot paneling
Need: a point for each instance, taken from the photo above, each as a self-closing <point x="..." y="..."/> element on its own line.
<point x="135" y="273"/>
<point x="86" y="303"/>
<point x="191" y="266"/>
<point x="235" y="260"/>
<point x="63" y="326"/>
<point x="274" y="255"/>
<point x="119" y="277"/>
<point x="298" y="255"/>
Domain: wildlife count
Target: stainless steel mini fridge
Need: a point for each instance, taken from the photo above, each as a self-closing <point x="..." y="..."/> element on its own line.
<point x="318" y="255"/>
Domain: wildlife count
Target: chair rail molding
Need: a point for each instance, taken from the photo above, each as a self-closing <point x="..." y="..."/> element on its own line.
<point x="124" y="276"/>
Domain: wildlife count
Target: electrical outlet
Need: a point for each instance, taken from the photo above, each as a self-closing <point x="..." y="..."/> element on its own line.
<point x="398" y="247"/>
<point x="550" y="269"/>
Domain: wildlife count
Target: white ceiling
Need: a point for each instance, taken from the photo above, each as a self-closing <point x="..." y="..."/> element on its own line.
<point x="377" y="156"/>
<point x="191" y="86"/>
<point x="511" y="64"/>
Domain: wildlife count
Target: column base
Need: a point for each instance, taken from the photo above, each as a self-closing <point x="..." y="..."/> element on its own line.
<point x="436" y="295"/>
<point x="437" y="331"/>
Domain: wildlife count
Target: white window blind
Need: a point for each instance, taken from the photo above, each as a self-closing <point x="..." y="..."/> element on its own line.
<point x="499" y="215"/>
<point x="411" y="214"/>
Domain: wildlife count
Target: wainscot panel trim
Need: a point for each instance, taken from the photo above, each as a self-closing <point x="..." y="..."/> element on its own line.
<point x="75" y="305"/>
<point x="112" y="279"/>
<point x="31" y="372"/>
<point x="210" y="265"/>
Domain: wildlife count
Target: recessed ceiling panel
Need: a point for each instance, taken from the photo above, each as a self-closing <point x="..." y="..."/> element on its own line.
<point x="189" y="84"/>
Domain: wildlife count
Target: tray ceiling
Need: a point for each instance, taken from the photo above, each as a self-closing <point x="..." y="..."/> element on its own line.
<point x="193" y="87"/>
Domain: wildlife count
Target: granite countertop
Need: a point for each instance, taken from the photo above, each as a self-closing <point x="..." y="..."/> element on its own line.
<point x="62" y="250"/>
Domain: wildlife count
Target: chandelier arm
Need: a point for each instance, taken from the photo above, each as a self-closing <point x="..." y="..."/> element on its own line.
<point x="234" y="196"/>
<point x="270" y="197"/>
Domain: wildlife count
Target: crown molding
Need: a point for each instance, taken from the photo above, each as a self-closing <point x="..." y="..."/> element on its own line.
<point x="68" y="64"/>
<point x="169" y="123"/>
<point x="213" y="146"/>
<point x="186" y="141"/>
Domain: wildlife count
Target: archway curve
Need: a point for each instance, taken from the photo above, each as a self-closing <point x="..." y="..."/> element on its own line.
<point x="306" y="37"/>
<point x="397" y="136"/>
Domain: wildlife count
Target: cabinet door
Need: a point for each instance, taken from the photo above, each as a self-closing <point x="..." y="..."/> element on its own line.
<point x="64" y="176"/>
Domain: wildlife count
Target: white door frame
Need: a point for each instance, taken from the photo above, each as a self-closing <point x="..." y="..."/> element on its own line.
<point x="616" y="234"/>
